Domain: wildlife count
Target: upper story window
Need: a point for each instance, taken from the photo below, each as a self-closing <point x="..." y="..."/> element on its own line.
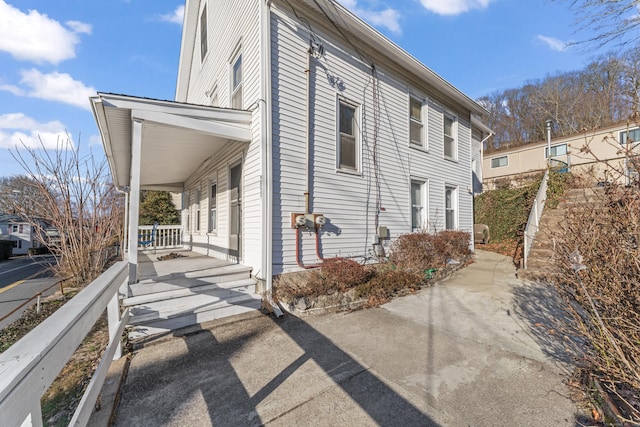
<point x="203" y="33"/>
<point x="347" y="144"/>
<point x="631" y="137"/>
<point x="499" y="162"/>
<point x="417" y="133"/>
<point x="450" y="135"/>
<point x="556" y="150"/>
<point x="236" y="83"/>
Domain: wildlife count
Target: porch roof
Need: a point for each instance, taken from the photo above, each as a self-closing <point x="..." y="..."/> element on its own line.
<point x="177" y="138"/>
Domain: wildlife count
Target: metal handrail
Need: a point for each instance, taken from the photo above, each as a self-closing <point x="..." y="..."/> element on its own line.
<point x="534" y="216"/>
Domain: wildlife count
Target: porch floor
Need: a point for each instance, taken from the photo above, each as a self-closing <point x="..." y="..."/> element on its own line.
<point x="184" y="289"/>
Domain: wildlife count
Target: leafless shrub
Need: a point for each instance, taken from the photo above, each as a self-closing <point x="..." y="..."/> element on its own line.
<point x="420" y="251"/>
<point x="75" y="196"/>
<point x="597" y="274"/>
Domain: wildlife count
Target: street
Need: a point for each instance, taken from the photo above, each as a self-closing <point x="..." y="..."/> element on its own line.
<point x="21" y="279"/>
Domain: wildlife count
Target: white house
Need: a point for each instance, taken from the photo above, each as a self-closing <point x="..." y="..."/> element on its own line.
<point x="297" y="132"/>
<point x="22" y="234"/>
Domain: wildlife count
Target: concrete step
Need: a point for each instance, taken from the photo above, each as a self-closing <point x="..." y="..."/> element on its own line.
<point x="210" y="299"/>
<point x="220" y="289"/>
<point x="222" y="310"/>
<point x="177" y="281"/>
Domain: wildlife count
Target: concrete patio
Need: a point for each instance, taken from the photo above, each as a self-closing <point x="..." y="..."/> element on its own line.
<point x="478" y="349"/>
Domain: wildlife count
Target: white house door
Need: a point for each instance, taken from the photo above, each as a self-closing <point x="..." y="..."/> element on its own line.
<point x="235" y="214"/>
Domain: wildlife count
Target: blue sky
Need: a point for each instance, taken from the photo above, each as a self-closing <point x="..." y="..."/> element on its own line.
<point x="55" y="54"/>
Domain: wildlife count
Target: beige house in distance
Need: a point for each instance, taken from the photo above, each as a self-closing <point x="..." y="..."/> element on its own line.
<point x="603" y="154"/>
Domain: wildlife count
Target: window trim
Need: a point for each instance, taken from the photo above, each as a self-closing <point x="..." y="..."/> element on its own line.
<point x="236" y="88"/>
<point x="198" y="209"/>
<point x="213" y="225"/>
<point x="204" y="42"/>
<point x="623" y="137"/>
<point x="546" y="150"/>
<point x="357" y="136"/>
<point x="424" y="117"/>
<point x="454" y="136"/>
<point x="424" y="194"/>
<point x="498" y="158"/>
<point x="455" y="208"/>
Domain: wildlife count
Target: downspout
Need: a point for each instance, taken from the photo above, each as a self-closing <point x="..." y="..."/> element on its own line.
<point x="307" y="176"/>
<point x="267" y="160"/>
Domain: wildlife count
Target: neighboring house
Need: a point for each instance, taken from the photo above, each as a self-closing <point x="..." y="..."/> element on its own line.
<point x="298" y="132"/>
<point x="604" y="154"/>
<point x="21" y="233"/>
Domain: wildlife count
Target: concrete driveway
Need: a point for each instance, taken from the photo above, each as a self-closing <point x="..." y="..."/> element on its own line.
<point x="478" y="349"/>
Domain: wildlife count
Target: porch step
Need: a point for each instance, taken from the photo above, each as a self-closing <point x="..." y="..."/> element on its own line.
<point x="220" y="289"/>
<point x="206" y="312"/>
<point x="180" y="281"/>
<point x="205" y="304"/>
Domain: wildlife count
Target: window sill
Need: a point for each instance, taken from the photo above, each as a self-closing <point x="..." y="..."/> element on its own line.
<point x="349" y="172"/>
<point x="451" y="159"/>
<point x="212" y="233"/>
<point x="419" y="147"/>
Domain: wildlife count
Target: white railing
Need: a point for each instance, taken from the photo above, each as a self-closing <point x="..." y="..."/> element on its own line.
<point x="534" y="216"/>
<point x="30" y="366"/>
<point x="167" y="236"/>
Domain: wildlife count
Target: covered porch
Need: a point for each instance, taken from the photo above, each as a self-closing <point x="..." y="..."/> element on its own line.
<point x="161" y="145"/>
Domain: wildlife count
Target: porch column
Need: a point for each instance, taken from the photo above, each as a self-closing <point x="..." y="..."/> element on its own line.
<point x="134" y="199"/>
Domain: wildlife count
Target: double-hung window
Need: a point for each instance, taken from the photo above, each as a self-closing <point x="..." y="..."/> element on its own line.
<point x="236" y="83"/>
<point x="418" y="205"/>
<point x="450" y="207"/>
<point x="213" y="208"/>
<point x="203" y="33"/>
<point x="417" y="134"/>
<point x="347" y="144"/>
<point x="450" y="134"/>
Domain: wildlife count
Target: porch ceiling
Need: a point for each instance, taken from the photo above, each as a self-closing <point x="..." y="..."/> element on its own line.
<point x="176" y="137"/>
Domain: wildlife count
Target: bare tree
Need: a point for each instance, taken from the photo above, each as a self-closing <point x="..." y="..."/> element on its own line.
<point x="610" y="21"/>
<point x="75" y="196"/>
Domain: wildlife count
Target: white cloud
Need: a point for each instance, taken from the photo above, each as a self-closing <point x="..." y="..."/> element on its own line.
<point x="54" y="86"/>
<point x="453" y="7"/>
<point x="18" y="130"/>
<point x="95" y="140"/>
<point x="175" y="17"/>
<point x="388" y="18"/>
<point x="553" y="43"/>
<point x="33" y="36"/>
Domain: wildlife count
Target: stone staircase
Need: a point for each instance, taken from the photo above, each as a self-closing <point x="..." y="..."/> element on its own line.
<point x="172" y="300"/>
<point x="542" y="256"/>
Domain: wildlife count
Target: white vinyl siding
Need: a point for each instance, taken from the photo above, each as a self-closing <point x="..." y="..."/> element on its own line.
<point x="388" y="162"/>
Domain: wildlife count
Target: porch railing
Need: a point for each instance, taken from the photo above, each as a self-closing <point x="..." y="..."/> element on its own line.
<point x="534" y="216"/>
<point x="167" y="236"/>
<point x="30" y="366"/>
